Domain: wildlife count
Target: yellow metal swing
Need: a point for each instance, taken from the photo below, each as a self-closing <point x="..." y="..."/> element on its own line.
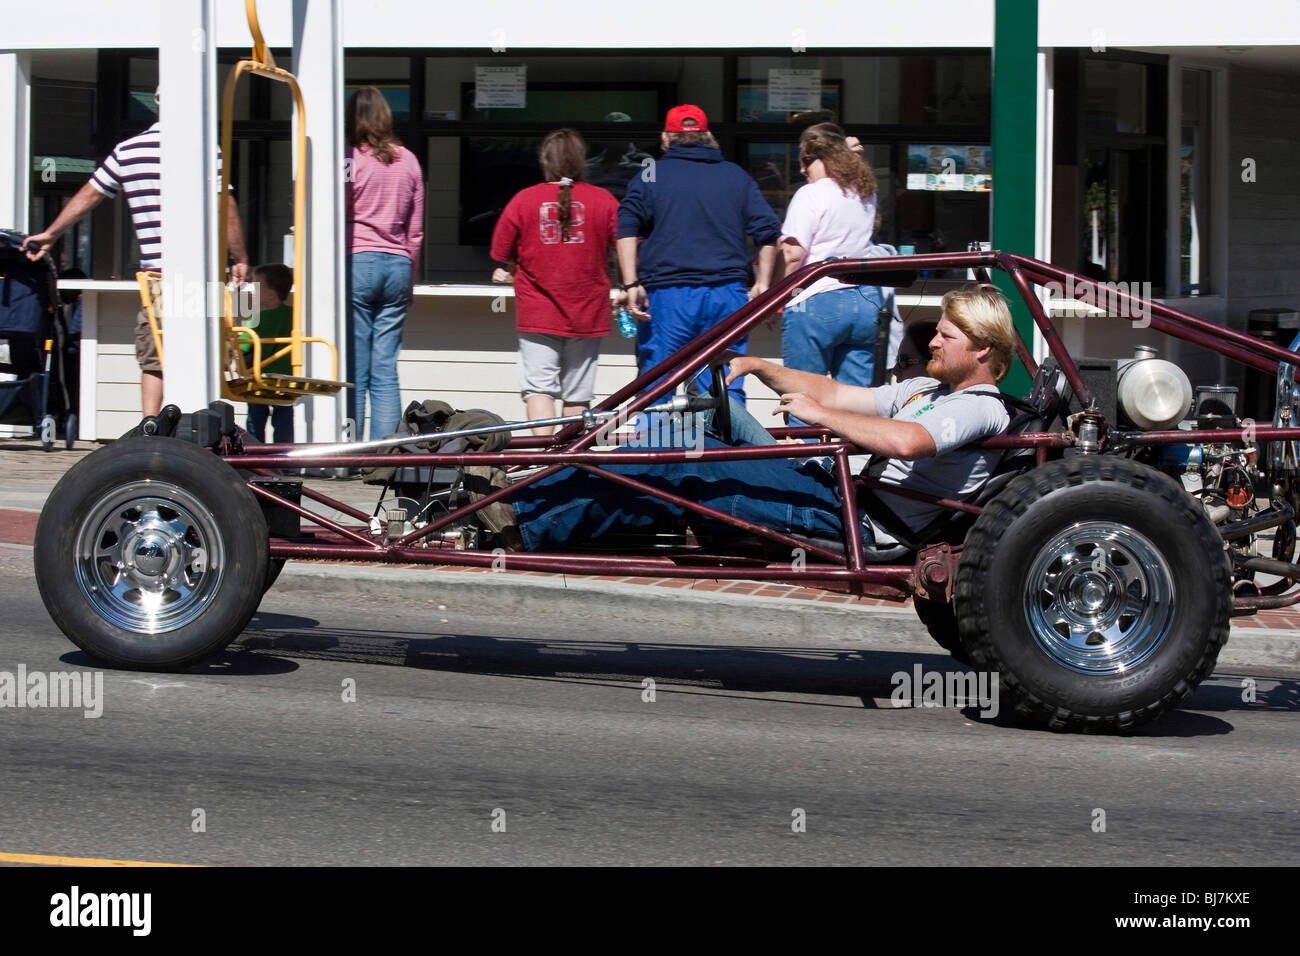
<point x="243" y="377"/>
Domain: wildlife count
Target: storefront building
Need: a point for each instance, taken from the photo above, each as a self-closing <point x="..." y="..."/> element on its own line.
<point x="1163" y="156"/>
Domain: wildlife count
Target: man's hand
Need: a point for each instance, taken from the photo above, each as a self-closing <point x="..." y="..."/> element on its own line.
<point x="738" y="365"/>
<point x="757" y="289"/>
<point x="239" y="273"/>
<point x="38" y="245"/>
<point x="802" y="407"/>
<point x="637" y="303"/>
<point x="502" y="275"/>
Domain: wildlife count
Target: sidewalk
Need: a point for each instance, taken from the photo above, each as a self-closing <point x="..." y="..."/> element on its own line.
<point x="27" y="474"/>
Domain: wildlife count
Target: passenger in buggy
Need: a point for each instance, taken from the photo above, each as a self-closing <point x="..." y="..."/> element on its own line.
<point x="922" y="426"/>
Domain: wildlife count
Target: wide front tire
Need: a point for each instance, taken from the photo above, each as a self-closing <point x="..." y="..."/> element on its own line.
<point x="1098" y="590"/>
<point x="151" y="554"/>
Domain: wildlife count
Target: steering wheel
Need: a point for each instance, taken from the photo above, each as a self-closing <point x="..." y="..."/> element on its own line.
<point x="721" y="404"/>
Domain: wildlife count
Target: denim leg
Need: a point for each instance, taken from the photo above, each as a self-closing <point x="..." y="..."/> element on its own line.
<point x="361" y="269"/>
<point x="745" y="428"/>
<point x="833" y="333"/>
<point x="797" y="496"/>
<point x="380" y="294"/>
<point x="680" y="314"/>
<point x="854" y="359"/>
<point x="386" y="344"/>
<point x="720" y="302"/>
<point x="257" y="415"/>
<point x="282" y="423"/>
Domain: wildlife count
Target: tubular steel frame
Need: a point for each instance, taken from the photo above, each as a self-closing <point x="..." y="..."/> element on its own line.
<point x="569" y="447"/>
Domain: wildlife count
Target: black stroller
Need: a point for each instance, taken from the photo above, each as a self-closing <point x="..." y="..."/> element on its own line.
<point x="33" y="338"/>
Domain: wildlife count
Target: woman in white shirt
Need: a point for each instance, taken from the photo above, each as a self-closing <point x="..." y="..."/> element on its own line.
<point x="831" y="327"/>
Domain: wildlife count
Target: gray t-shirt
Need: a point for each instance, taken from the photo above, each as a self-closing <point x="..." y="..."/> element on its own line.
<point x="953" y="419"/>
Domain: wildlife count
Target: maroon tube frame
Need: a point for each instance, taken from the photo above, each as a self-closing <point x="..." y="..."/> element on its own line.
<point x="569" y="448"/>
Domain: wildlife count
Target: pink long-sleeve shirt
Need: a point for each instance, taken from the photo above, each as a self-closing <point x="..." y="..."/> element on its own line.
<point x="385" y="203"/>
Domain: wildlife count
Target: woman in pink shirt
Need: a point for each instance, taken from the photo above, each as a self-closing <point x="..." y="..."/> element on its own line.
<point x="385" y="228"/>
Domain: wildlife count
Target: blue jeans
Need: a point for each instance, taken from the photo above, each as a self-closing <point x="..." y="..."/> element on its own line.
<point x="281" y="421"/>
<point x="679" y="314"/>
<point x="794" y="495"/>
<point x="833" y="333"/>
<point x="380" y="290"/>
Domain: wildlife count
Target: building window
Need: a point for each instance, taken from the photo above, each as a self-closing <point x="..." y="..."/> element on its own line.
<point x="1121" y="222"/>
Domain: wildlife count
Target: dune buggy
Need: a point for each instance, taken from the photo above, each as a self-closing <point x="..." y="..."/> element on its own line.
<point x="1096" y="572"/>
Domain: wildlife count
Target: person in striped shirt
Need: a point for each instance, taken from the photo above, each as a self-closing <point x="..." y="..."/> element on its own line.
<point x="134" y="169"/>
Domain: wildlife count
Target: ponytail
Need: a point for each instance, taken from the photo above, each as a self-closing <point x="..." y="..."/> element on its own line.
<point x="563" y="156"/>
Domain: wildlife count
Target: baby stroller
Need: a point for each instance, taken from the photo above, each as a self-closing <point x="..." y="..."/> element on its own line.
<point x="32" y="340"/>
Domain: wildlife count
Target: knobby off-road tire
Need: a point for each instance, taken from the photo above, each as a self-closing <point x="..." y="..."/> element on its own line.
<point x="1098" y="590"/>
<point x="151" y="554"/>
<point x="940" y="619"/>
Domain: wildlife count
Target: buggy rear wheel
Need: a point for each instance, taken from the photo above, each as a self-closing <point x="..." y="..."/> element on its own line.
<point x="1099" y="591"/>
<point x="940" y="620"/>
<point x="151" y="553"/>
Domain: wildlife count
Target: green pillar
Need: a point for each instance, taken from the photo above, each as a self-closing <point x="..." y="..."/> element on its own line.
<point x="1015" y="174"/>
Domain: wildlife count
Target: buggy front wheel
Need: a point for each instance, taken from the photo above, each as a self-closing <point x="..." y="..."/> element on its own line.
<point x="151" y="553"/>
<point x="1099" y="591"/>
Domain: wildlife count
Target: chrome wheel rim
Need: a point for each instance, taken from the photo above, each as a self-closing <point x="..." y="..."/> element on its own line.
<point x="149" y="557"/>
<point x="1099" y="598"/>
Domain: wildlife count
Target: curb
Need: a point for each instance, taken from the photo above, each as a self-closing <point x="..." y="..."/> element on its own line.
<point x="870" y="626"/>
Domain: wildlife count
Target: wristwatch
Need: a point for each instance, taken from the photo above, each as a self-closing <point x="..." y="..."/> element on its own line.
<point x="625" y="286"/>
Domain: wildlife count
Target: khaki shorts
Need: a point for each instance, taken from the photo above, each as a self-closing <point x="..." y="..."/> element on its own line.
<point x="146" y="353"/>
<point x="558" y="366"/>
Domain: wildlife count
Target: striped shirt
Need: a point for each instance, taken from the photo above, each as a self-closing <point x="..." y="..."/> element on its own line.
<point x="135" y="168"/>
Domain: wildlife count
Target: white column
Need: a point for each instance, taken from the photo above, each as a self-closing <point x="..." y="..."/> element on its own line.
<point x="187" y="77"/>
<point x="87" y="426"/>
<point x="1044" y="160"/>
<point x="318" y="64"/>
<point x="15" y="128"/>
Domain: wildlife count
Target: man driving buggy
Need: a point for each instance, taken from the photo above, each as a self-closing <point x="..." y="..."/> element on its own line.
<point x="922" y="425"/>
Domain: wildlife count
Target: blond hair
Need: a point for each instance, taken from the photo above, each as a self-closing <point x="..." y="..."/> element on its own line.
<point x="981" y="312"/>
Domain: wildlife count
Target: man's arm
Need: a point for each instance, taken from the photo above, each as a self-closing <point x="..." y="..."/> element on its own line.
<point x="86" y="199"/>
<point x="635" y="297"/>
<point x="885" y="436"/>
<point x="763" y="271"/>
<point x="822" y="389"/>
<point x="235" y="241"/>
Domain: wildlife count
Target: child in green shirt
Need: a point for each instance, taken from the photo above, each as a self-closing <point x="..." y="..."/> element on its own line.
<point x="275" y="320"/>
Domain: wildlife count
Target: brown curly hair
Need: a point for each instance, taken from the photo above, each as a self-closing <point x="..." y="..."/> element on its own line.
<point x="849" y="170"/>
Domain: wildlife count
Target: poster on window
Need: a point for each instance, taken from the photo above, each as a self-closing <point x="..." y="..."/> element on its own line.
<point x="950" y="168"/>
<point x="500" y="87"/>
<point x="795" y="91"/>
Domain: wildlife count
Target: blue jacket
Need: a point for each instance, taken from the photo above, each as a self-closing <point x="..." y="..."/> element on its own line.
<point x="694" y="213"/>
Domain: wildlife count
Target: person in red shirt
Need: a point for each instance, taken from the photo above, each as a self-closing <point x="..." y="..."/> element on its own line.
<point x="555" y="239"/>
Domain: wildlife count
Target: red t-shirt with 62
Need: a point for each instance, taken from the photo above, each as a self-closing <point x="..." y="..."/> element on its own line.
<point x="561" y="288"/>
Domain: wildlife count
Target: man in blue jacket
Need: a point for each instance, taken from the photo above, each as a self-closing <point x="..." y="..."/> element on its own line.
<point x="681" y="241"/>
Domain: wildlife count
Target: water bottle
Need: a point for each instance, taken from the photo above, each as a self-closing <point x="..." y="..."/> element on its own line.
<point x="626" y="324"/>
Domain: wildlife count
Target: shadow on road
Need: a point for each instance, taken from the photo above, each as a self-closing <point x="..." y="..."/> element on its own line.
<point x="861" y="674"/>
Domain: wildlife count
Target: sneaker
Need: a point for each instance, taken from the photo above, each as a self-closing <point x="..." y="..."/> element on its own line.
<point x="498" y="517"/>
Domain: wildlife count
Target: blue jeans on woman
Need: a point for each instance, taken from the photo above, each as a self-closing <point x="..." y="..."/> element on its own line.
<point x="795" y="495"/>
<point x="833" y="333"/>
<point x="380" y="290"/>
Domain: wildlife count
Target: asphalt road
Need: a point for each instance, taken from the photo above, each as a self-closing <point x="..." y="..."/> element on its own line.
<point x="538" y="720"/>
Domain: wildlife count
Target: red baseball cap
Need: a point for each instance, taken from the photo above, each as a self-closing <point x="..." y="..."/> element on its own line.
<point x="686" y="119"/>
